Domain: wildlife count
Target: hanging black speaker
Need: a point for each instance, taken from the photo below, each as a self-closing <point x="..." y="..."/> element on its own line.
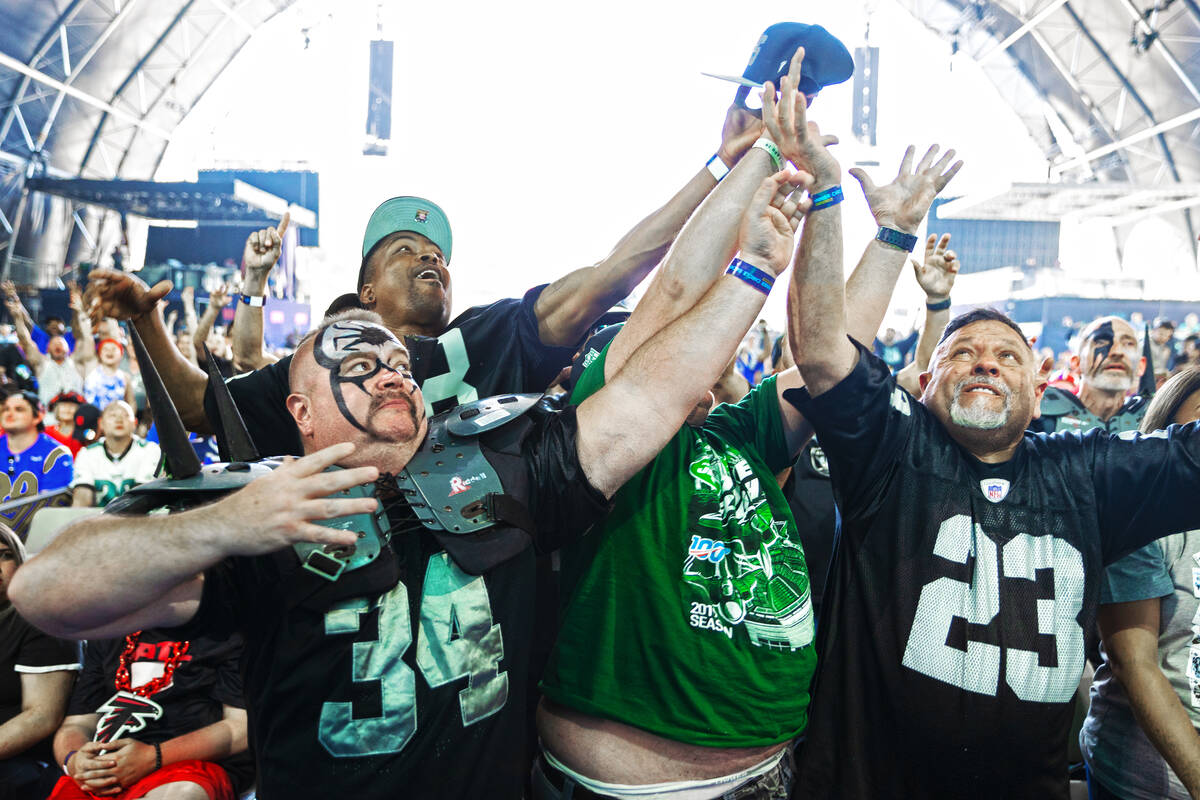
<point x="379" y="100"/>
<point x="866" y="89"/>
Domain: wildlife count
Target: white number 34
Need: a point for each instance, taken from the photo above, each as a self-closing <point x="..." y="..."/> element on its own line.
<point x="977" y="669"/>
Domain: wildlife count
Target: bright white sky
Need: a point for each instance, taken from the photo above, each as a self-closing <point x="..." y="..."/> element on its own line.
<point x="547" y="129"/>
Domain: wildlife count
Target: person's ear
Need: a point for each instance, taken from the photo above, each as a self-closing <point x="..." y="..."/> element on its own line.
<point x="301" y="411"/>
<point x="1073" y="364"/>
<point x="366" y="295"/>
<point x="1041" y="381"/>
<point x="1141" y="370"/>
<point x="923" y="381"/>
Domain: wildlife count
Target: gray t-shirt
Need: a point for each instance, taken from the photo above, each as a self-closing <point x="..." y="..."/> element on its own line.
<point x="1117" y="751"/>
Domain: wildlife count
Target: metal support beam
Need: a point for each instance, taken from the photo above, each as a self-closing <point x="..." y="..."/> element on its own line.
<point x="1120" y="144"/>
<point x="1025" y="28"/>
<point x="41" y="77"/>
<point x="1160" y="48"/>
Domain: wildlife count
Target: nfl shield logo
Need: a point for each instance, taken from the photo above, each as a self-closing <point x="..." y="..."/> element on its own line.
<point x="994" y="489"/>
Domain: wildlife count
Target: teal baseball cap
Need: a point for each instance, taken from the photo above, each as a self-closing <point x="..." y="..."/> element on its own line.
<point x="415" y="214"/>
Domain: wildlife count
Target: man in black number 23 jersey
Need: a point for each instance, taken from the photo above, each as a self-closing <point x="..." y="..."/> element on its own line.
<point x="970" y="557"/>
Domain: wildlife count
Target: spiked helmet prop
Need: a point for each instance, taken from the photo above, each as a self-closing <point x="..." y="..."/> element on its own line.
<point x="186" y="483"/>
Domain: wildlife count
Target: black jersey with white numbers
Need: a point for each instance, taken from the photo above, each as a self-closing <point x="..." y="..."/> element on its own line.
<point x="951" y="640"/>
<point x="486" y="350"/>
<point x="412" y="688"/>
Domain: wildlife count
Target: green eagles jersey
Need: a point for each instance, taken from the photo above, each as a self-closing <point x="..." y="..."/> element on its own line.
<point x="688" y="608"/>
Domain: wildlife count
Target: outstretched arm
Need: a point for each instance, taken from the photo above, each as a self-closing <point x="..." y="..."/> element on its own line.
<point x="69" y="587"/>
<point x="570" y="305"/>
<point x="258" y="258"/>
<point x="936" y="277"/>
<point x="17" y="311"/>
<point x="819" y="324"/>
<point x="1130" y="635"/>
<point x="216" y="301"/>
<point x="627" y="423"/>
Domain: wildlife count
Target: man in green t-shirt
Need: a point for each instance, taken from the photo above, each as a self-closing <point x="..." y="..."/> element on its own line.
<point x="686" y="646"/>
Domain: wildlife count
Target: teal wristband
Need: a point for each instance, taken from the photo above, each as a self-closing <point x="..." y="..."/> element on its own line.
<point x="750" y="274"/>
<point x="776" y="157"/>
<point x="830" y="197"/>
<point x="940" y="305"/>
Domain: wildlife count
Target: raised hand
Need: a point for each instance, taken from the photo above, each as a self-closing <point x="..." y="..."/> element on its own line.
<point x="263" y="247"/>
<point x="936" y="276"/>
<point x="770" y="222"/>
<point x="74" y="297"/>
<point x="219" y="296"/>
<point x="278" y="510"/>
<point x="11" y="300"/>
<point x="112" y="293"/>
<point x="799" y="140"/>
<point x="904" y="202"/>
<point x="187" y="294"/>
<point x="741" y="129"/>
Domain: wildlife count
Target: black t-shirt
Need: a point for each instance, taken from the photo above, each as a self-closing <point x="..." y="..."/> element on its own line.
<point x="486" y="350"/>
<point x="416" y="691"/>
<point x="25" y="649"/>
<point x="205" y="680"/>
<point x="810" y="496"/>
<point x="952" y="638"/>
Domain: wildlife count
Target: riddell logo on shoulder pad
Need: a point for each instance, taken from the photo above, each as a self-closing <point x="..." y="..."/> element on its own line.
<point x="459" y="485"/>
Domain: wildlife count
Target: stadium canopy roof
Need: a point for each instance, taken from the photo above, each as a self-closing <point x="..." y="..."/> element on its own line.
<point x="1107" y="88"/>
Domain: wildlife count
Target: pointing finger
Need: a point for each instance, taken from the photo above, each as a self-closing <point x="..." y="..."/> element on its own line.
<point x="281" y="228"/>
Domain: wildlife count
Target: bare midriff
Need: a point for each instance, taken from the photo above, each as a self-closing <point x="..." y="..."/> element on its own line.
<point x="613" y="752"/>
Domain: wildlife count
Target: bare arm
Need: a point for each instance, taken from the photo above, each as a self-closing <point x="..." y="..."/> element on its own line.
<point x="24" y="338"/>
<point x="188" y="296"/>
<point x="81" y="587"/>
<point x="43" y="703"/>
<point x="258" y="259"/>
<point x="1130" y="635"/>
<point x="936" y="277"/>
<point x="627" y="422"/>
<point x="570" y="305"/>
<point x="216" y="301"/>
<point x="819" y="331"/>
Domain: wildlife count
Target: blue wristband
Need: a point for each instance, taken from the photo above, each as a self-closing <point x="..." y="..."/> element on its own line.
<point x="830" y="197"/>
<point x="751" y="275"/>
<point x="897" y="239"/>
<point x="255" y="301"/>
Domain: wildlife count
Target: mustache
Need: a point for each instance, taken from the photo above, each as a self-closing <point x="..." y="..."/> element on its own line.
<point x="984" y="380"/>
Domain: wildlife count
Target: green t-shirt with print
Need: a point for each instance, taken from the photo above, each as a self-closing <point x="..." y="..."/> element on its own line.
<point x="688" y="610"/>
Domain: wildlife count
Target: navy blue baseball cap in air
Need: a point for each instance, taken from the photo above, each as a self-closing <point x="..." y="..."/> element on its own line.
<point x="826" y="59"/>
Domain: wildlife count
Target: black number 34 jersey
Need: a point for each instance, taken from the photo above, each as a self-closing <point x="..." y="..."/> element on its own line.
<point x="951" y="641"/>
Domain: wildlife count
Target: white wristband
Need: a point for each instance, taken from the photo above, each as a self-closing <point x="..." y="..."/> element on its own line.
<point x="255" y="301"/>
<point x="717" y="167"/>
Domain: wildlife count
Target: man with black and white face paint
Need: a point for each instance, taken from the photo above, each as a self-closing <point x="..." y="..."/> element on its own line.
<point x="1109" y="363"/>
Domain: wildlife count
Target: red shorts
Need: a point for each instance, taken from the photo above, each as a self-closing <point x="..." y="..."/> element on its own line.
<point x="209" y="776"/>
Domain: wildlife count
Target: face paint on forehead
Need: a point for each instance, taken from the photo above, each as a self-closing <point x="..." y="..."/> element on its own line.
<point x="340" y="341"/>
<point x="1102" y="339"/>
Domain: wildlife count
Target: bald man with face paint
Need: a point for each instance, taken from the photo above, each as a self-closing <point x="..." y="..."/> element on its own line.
<point x="1109" y="363"/>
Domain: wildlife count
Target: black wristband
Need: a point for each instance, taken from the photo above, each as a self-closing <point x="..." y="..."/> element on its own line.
<point x="940" y="305"/>
<point x="157" y="756"/>
<point x="897" y="239"/>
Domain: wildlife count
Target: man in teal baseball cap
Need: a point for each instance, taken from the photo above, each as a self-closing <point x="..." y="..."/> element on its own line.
<point x="406" y="248"/>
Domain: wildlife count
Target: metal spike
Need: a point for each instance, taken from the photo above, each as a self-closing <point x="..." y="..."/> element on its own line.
<point x="237" y="436"/>
<point x="181" y="459"/>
